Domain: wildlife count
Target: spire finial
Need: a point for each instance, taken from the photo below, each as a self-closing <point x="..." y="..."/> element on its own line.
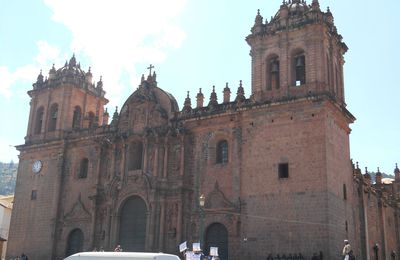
<point x="357" y="165"/>
<point x="149" y="68"/>
<point x="366" y="170"/>
<point x="258" y="11"/>
<point x="187" y="94"/>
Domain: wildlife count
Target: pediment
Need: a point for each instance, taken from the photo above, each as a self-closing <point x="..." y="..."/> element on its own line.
<point x="78" y="211"/>
<point x="216" y="199"/>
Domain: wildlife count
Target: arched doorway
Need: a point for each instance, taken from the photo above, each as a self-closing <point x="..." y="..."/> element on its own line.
<point x="75" y="242"/>
<point x="217" y="236"/>
<point x="132" y="225"/>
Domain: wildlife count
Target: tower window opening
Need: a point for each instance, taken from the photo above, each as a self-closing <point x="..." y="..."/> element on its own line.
<point x="300" y="70"/>
<point x="222" y="152"/>
<point x="283" y="170"/>
<point x="91" y="119"/>
<point x="273" y="74"/>
<point x="39" y="120"/>
<point x="76" y="120"/>
<point x="53" y="117"/>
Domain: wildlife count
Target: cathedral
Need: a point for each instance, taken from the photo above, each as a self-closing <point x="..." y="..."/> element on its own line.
<point x="266" y="173"/>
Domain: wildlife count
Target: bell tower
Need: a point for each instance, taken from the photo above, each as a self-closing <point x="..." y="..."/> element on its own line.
<point x="297" y="53"/>
<point x="65" y="101"/>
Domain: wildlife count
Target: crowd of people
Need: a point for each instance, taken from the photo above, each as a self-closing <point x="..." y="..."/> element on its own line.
<point x="347" y="254"/>
<point x="197" y="254"/>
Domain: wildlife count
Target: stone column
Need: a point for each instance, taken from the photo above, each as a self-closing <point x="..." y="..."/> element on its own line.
<point x="155" y="163"/>
<point x="161" y="233"/>
<point x="182" y="160"/>
<point x="145" y="150"/>
<point x="165" y="169"/>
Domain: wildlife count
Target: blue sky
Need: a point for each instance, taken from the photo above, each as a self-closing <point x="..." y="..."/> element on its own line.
<point x="193" y="44"/>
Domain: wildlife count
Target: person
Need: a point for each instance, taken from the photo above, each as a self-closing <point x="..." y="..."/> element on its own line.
<point x="314" y="257"/>
<point x="198" y="255"/>
<point x="346" y="250"/>
<point x="270" y="257"/>
<point x="23" y="257"/>
<point x="351" y="255"/>
<point x="118" y="249"/>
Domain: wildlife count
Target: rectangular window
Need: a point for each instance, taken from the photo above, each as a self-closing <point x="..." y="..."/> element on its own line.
<point x="34" y="195"/>
<point x="283" y="170"/>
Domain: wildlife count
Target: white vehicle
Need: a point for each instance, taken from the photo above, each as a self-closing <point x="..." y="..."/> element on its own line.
<point x="121" y="256"/>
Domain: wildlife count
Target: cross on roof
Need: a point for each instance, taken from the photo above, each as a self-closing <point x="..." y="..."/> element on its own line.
<point x="149" y="68"/>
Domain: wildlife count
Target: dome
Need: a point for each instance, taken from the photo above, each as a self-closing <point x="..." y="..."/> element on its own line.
<point x="294" y="7"/>
<point x="148" y="101"/>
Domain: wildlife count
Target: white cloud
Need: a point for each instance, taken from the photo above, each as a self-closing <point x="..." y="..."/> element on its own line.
<point x="27" y="73"/>
<point x="118" y="34"/>
<point x="6" y="79"/>
<point x="7" y="152"/>
<point x="46" y="53"/>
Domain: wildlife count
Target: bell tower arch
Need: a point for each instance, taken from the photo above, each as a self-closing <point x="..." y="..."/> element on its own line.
<point x="65" y="100"/>
<point x="297" y="53"/>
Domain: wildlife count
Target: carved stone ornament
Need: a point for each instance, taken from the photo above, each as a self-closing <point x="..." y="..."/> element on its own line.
<point x="216" y="200"/>
<point x="78" y="212"/>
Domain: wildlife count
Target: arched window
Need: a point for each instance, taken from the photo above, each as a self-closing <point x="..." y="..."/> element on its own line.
<point x="135" y="156"/>
<point x="76" y="119"/>
<point x="53" y="117"/>
<point x="75" y="242"/>
<point x="91" y="119"/>
<point x="273" y="73"/>
<point x="39" y="120"/>
<point x="83" y="169"/>
<point x="299" y="68"/>
<point x="222" y="152"/>
<point x="132" y="225"/>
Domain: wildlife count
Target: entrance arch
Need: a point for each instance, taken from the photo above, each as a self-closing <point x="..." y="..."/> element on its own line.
<point x="75" y="242"/>
<point x="217" y="236"/>
<point x="132" y="225"/>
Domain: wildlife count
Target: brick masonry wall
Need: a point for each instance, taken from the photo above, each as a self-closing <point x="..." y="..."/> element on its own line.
<point x="32" y="222"/>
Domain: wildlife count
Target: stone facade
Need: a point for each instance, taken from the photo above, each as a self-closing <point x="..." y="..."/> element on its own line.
<point x="274" y="168"/>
